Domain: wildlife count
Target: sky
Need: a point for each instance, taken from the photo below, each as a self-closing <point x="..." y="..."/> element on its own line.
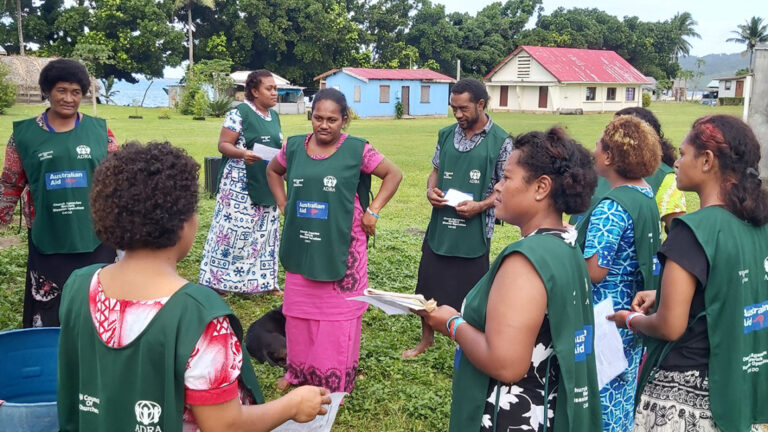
<point x="716" y="19"/>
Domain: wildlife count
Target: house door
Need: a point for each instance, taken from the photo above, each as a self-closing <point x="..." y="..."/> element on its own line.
<point x="503" y="96"/>
<point x="543" y="92"/>
<point x="405" y="91"/>
<point x="739" y="88"/>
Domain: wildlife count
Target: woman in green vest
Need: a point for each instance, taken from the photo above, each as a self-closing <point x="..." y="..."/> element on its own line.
<point x="49" y="161"/>
<point x="240" y="252"/>
<point x="620" y="237"/>
<point x="707" y="330"/>
<point x="524" y="359"/>
<point x="669" y="199"/>
<point x="141" y="348"/>
<point x="328" y="216"/>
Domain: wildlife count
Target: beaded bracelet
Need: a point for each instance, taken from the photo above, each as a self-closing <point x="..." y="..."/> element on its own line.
<point x="628" y="319"/>
<point x="370" y="212"/>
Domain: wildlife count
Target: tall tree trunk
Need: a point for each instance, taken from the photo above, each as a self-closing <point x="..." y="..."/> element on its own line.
<point x="189" y="30"/>
<point x="93" y="96"/>
<point x="18" y="25"/>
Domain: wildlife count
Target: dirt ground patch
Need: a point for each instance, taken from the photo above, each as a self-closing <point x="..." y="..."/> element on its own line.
<point x="6" y="242"/>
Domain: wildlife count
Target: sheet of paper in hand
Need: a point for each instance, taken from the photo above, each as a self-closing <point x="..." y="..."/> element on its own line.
<point x="455" y="197"/>
<point x="396" y="303"/>
<point x="609" y="350"/>
<point x="265" y="152"/>
<point x="321" y="423"/>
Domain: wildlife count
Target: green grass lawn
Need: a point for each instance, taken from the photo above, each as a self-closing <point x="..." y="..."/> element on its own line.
<point x="390" y="394"/>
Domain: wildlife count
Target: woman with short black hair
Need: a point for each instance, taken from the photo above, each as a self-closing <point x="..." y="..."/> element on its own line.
<point x="54" y="155"/>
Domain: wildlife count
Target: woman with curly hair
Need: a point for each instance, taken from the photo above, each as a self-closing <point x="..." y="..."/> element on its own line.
<point x="669" y="199"/>
<point x="240" y="252"/>
<point x="706" y="368"/>
<point x="141" y="347"/>
<point x="328" y="216"/>
<point x="49" y="160"/>
<point x="620" y="237"/>
<point x="524" y="357"/>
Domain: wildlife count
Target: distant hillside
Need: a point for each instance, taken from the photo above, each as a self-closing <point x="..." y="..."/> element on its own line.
<point x="716" y="66"/>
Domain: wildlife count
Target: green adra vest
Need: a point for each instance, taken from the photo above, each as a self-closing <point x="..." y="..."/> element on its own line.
<point x="59" y="168"/>
<point x="645" y="219"/>
<point x="603" y="187"/>
<point x="320" y="208"/>
<point x="256" y="130"/>
<point x="571" y="319"/>
<point x="140" y="386"/>
<point x="469" y="172"/>
<point x="736" y="308"/>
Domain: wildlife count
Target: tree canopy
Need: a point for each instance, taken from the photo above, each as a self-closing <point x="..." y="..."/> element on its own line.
<point x="300" y="39"/>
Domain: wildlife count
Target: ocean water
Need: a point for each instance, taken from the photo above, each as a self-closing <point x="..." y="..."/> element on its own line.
<point x="128" y="93"/>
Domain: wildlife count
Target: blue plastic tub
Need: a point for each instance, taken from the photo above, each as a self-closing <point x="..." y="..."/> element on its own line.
<point x="28" y="380"/>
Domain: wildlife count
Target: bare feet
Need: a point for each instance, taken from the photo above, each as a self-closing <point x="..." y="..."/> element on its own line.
<point x="419" y="349"/>
<point x="283" y="384"/>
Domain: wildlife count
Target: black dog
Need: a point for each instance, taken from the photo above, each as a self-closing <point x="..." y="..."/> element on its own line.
<point x="265" y="338"/>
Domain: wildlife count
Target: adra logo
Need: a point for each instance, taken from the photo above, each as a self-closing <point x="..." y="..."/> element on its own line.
<point x="147" y="416"/>
<point x="329" y="183"/>
<point x="83" y="152"/>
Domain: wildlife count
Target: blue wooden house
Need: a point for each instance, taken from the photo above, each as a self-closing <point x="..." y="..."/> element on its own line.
<point x="375" y="92"/>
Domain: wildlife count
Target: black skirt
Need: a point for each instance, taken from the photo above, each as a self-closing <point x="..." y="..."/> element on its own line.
<point x="46" y="274"/>
<point x="448" y="279"/>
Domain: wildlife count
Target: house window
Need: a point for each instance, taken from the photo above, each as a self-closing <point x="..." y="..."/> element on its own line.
<point x="630" y="94"/>
<point x="383" y="94"/>
<point x="727" y="85"/>
<point x="610" y="94"/>
<point x="591" y="93"/>
<point x="424" y="94"/>
<point x="357" y="93"/>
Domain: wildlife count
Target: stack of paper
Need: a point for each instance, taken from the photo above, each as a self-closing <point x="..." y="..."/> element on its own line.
<point x="609" y="349"/>
<point x="396" y="303"/>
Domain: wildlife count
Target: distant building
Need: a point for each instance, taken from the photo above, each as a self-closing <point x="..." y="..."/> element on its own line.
<point x="548" y="80"/>
<point x="290" y="98"/>
<point x="24" y="71"/>
<point x="375" y="92"/>
<point x="731" y="86"/>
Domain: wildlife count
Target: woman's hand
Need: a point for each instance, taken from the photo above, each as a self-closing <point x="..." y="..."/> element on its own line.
<point x="250" y="157"/>
<point x="308" y="402"/>
<point x="644" y="301"/>
<point x="435" y="197"/>
<point x="437" y="318"/>
<point x="369" y="223"/>
<point x="619" y="317"/>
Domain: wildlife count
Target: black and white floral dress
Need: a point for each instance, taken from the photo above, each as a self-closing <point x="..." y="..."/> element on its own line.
<point x="521" y="405"/>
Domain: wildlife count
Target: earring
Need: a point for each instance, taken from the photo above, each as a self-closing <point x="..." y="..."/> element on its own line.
<point x="538" y="198"/>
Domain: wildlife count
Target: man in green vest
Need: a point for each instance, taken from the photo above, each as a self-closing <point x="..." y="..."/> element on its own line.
<point x="469" y="159"/>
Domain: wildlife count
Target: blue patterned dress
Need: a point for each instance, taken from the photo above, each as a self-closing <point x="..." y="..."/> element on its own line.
<point x="240" y="253"/>
<point x="611" y="235"/>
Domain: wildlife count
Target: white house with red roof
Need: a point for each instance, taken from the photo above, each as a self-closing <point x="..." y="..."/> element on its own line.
<point x="375" y="92"/>
<point x="549" y="80"/>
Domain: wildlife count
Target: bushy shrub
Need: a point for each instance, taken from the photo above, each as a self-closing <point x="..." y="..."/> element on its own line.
<point x="200" y="104"/>
<point x="7" y="90"/>
<point x="219" y="107"/>
<point x="731" y="101"/>
<point x="646" y="100"/>
<point x="187" y="102"/>
<point x="165" y="114"/>
<point x="399" y="110"/>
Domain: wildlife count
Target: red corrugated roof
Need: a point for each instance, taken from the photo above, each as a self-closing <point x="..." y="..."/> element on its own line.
<point x="398" y="74"/>
<point x="580" y="65"/>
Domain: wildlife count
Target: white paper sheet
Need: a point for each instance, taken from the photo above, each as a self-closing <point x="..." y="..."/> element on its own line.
<point x="265" y="152"/>
<point x="320" y="423"/>
<point x="609" y="350"/>
<point x="391" y="306"/>
<point x="455" y="197"/>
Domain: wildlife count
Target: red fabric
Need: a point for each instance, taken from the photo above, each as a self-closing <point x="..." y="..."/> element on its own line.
<point x="211" y="397"/>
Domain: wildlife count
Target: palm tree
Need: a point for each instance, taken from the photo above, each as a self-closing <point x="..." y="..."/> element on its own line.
<point x="751" y="33"/>
<point x="683" y="24"/>
<point x="178" y="4"/>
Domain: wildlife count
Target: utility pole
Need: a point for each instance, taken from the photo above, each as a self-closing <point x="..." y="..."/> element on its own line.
<point x="758" y="111"/>
<point x="458" y="70"/>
